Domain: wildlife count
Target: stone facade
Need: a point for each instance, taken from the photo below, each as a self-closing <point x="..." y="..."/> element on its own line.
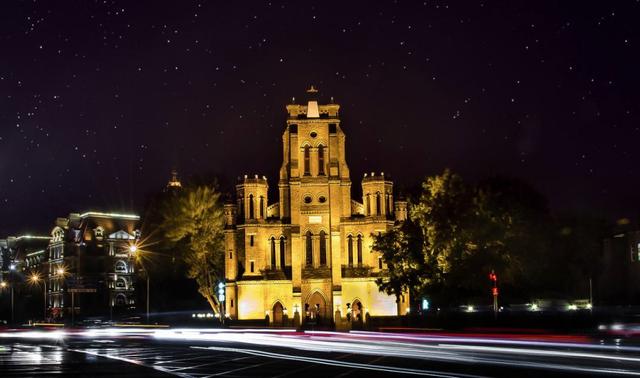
<point x="308" y="257"/>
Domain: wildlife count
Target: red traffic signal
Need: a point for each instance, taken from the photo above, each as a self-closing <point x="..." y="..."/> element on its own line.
<point x="493" y="277"/>
<point x="494" y="291"/>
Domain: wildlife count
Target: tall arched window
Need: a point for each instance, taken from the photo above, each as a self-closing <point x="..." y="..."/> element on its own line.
<point x="320" y="160"/>
<point x="307" y="158"/>
<point x="309" y="248"/>
<point x="273" y="252"/>
<point x="350" y="249"/>
<point x="282" y="252"/>
<point x="250" y="206"/>
<point x="387" y="205"/>
<point x="378" y="204"/>
<point x="359" y="247"/>
<point x="261" y="207"/>
<point x="323" y="248"/>
<point x="368" y="203"/>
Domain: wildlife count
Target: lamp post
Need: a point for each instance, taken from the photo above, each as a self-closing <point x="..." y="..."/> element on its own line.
<point x="134" y="249"/>
<point x="3" y="285"/>
<point x="12" y="269"/>
<point x="35" y="278"/>
<point x="60" y="272"/>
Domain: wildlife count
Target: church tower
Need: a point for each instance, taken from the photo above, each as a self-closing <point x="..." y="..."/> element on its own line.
<point x="308" y="258"/>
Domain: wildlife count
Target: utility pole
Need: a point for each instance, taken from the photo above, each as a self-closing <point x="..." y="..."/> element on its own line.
<point x="148" y="294"/>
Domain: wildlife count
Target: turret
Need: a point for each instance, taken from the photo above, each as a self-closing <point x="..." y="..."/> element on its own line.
<point x="230" y="213"/>
<point x="251" y="194"/>
<point x="377" y="195"/>
<point x="401" y="210"/>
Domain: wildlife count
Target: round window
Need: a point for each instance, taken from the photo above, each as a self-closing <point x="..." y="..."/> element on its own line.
<point x="322" y="199"/>
<point x="313" y="134"/>
<point x="307" y="199"/>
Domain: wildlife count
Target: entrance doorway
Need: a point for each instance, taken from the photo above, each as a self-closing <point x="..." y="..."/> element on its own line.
<point x="357" y="314"/>
<point x="316" y="310"/>
<point x="278" y="314"/>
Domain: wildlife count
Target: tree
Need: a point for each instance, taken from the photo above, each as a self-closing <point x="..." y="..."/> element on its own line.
<point x="401" y="250"/>
<point x="464" y="232"/>
<point x="195" y="217"/>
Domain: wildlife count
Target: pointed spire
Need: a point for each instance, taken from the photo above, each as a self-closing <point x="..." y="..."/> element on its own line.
<point x="174" y="182"/>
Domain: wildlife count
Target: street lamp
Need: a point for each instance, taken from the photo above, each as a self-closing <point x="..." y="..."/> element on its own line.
<point x="134" y="249"/>
<point x="35" y="279"/>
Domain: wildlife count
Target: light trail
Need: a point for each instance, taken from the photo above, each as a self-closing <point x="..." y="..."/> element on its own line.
<point x="352" y="365"/>
<point x="459" y="350"/>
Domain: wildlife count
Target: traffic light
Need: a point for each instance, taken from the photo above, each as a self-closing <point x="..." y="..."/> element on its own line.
<point x="493" y="277"/>
<point x="221" y="292"/>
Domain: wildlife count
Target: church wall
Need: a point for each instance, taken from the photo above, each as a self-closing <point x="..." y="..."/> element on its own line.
<point x="258" y="298"/>
<point x="366" y="291"/>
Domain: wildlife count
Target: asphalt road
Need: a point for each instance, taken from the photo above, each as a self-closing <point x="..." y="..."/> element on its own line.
<point x="209" y="353"/>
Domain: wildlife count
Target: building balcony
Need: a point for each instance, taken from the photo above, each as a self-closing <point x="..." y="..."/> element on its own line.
<point x="322" y="271"/>
<point x="355" y="271"/>
<point x="276" y="273"/>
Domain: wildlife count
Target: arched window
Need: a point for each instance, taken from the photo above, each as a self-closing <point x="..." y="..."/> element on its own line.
<point x="323" y="248"/>
<point x="241" y="207"/>
<point x="350" y="249"/>
<point x="359" y="247"/>
<point x="282" y="252"/>
<point x="378" y="204"/>
<point x="273" y="252"/>
<point x="387" y="205"/>
<point x="250" y="206"/>
<point x="307" y="158"/>
<point x="368" y="204"/>
<point x="321" y="160"/>
<point x="121" y="283"/>
<point x="309" y="248"/>
<point x="261" y="207"/>
<point x="121" y="300"/>
<point x="121" y="267"/>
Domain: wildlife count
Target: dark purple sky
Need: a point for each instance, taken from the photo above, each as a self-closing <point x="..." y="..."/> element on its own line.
<point x="99" y="99"/>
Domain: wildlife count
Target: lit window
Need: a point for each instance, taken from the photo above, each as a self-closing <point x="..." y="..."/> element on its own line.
<point x="323" y="248"/>
<point x="273" y="252"/>
<point x="282" y="252"/>
<point x="307" y="157"/>
<point x="350" y="249"/>
<point x="321" y="160"/>
<point x="261" y="207"/>
<point x="309" y="248"/>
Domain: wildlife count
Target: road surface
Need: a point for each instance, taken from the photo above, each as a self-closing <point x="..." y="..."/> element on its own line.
<point x="286" y="353"/>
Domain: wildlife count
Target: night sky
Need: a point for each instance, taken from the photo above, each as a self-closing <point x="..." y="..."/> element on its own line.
<point x="100" y="99"/>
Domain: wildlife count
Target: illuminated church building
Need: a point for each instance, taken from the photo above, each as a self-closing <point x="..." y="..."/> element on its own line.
<point x="310" y="255"/>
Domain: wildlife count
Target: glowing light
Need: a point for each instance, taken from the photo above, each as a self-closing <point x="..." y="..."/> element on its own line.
<point x="534" y="307"/>
<point x="470" y="308"/>
<point x="572" y="307"/>
<point x="3" y="284"/>
<point x="109" y="215"/>
<point x="60" y="271"/>
<point x="589" y="306"/>
<point x="133" y="248"/>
